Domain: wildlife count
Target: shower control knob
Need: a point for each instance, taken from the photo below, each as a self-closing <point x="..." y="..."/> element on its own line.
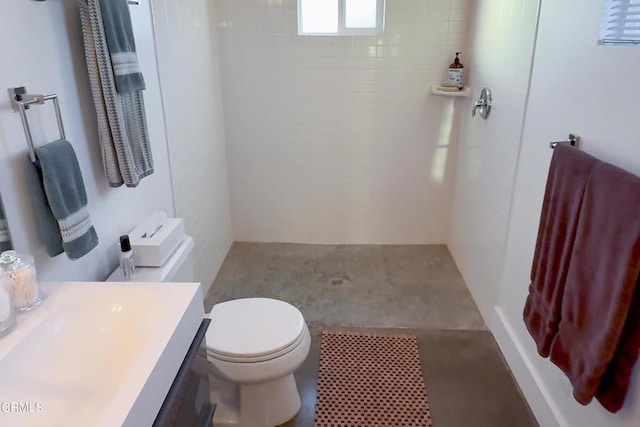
<point x="483" y="104"/>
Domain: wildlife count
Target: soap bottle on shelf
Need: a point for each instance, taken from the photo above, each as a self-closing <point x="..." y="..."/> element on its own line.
<point x="456" y="73"/>
<point x="19" y="278"/>
<point x="126" y="258"/>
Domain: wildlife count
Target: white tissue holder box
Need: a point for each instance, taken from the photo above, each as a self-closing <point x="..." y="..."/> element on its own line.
<point x="155" y="250"/>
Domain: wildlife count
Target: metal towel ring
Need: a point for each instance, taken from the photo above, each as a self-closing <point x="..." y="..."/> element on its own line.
<point x="20" y="101"/>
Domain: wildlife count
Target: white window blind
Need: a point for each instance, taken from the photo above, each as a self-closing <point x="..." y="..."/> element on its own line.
<point x="620" y="23"/>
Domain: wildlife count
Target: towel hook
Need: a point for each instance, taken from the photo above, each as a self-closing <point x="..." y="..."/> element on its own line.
<point x="20" y="102"/>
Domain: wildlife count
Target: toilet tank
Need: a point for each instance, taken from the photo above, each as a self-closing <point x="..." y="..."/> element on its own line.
<point x="179" y="267"/>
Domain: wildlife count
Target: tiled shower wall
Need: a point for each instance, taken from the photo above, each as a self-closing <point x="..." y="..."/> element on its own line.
<point x="501" y="43"/>
<point x="187" y="50"/>
<point x="337" y="139"/>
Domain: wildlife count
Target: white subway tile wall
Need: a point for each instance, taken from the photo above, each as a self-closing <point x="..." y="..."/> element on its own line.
<point x="336" y="139"/>
<point x="502" y="49"/>
<point x="186" y="44"/>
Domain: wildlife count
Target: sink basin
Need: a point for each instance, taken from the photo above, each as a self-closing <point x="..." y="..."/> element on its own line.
<point x="87" y="354"/>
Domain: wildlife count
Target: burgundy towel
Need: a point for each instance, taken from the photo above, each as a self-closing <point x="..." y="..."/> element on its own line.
<point x="589" y="346"/>
<point x="568" y="174"/>
<point x="615" y="381"/>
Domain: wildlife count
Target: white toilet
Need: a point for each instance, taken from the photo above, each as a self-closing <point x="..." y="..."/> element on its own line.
<point x="254" y="345"/>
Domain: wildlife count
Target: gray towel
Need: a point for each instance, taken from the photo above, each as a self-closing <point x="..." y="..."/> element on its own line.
<point x="122" y="45"/>
<point x="46" y="222"/>
<point x="5" y="236"/>
<point x="122" y="123"/>
<point x="67" y="198"/>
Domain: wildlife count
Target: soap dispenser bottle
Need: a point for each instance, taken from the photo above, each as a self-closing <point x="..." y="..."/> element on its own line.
<point x="456" y="73"/>
<point x="126" y="258"/>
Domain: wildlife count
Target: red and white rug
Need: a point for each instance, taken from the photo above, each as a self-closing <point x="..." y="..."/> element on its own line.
<point x="370" y="380"/>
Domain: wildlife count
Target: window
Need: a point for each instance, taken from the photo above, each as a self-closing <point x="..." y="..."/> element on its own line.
<point x="341" y="17"/>
<point x="620" y="23"/>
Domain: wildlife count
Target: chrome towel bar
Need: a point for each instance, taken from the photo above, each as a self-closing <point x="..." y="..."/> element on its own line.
<point x="20" y="102"/>
<point x="574" y="141"/>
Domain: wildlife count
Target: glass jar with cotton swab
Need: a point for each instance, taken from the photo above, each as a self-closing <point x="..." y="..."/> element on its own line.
<point x="18" y="276"/>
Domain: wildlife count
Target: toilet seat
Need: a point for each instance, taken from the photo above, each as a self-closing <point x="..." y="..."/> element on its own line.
<point x="253" y="330"/>
<point x="253" y="359"/>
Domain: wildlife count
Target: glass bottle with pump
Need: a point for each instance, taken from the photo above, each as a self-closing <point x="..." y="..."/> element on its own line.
<point x="456" y="73"/>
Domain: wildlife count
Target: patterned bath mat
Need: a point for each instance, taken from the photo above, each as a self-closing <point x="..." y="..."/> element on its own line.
<point x="370" y="380"/>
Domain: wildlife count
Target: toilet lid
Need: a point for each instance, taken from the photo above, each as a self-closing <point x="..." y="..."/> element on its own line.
<point x="253" y="327"/>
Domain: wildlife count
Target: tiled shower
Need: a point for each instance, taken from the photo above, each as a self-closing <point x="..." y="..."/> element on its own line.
<point x="336" y="139"/>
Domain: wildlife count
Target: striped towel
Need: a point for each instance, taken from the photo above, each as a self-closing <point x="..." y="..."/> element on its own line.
<point x="45" y="221"/>
<point x="122" y="45"/>
<point x="66" y="197"/>
<point x="122" y="123"/>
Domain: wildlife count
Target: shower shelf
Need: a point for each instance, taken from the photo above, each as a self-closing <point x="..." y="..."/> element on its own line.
<point x="466" y="92"/>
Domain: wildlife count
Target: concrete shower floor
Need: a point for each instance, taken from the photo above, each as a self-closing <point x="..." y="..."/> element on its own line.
<point x="382" y="286"/>
<point x="415" y="288"/>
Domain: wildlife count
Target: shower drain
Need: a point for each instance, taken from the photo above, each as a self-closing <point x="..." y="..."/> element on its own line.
<point x="337" y="282"/>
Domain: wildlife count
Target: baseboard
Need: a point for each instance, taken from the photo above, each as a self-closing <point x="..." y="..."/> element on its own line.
<point x="534" y="390"/>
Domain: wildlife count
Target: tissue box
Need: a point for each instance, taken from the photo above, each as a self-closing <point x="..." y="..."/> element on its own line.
<point x="155" y="250"/>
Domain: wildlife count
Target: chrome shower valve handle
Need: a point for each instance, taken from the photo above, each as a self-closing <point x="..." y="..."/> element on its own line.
<point x="483" y="104"/>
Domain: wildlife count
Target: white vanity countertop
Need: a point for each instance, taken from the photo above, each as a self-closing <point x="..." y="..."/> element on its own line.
<point x="97" y="354"/>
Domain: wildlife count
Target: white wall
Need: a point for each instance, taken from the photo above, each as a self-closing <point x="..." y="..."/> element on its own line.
<point x="502" y="39"/>
<point x="573" y="89"/>
<point x="336" y="139"/>
<point x="187" y="46"/>
<point x="41" y="48"/>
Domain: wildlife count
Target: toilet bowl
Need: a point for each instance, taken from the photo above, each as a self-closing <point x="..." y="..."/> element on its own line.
<point x="254" y="345"/>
